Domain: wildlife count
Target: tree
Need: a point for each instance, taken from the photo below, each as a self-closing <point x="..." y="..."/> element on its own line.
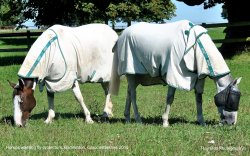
<point x="234" y="11"/>
<point x="156" y="10"/>
<point x="10" y="12"/>
<point x="76" y="12"/>
<point x="146" y="10"/>
<point x="128" y="12"/>
<point x="48" y="12"/>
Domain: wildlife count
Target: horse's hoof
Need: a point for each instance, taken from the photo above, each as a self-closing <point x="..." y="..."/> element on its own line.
<point x="107" y="114"/>
<point x="202" y="124"/>
<point x="89" y="121"/>
<point x="127" y="121"/>
<point x="139" y="121"/>
<point x="165" y="125"/>
<point x="48" y="121"/>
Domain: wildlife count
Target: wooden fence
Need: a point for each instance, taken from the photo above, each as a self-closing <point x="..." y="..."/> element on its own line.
<point x="26" y="34"/>
<point x="29" y="34"/>
<point x="231" y="40"/>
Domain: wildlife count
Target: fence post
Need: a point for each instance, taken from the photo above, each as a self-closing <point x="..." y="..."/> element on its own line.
<point x="28" y="39"/>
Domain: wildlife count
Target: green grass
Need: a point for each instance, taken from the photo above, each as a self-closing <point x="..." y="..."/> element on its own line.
<point x="15" y="42"/>
<point x="70" y="135"/>
<point x="69" y="131"/>
<point x="216" y="33"/>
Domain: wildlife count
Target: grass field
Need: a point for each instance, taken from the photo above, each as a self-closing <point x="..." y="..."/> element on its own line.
<point x="70" y="135"/>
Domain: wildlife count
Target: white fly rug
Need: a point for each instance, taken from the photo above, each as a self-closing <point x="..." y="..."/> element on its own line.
<point x="62" y="55"/>
<point x="178" y="52"/>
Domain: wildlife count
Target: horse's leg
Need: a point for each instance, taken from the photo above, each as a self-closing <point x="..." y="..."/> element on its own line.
<point x="107" y="112"/>
<point x="127" y="106"/>
<point x="132" y="84"/>
<point x="199" y="87"/>
<point x="51" y="113"/>
<point x="170" y="99"/>
<point x="78" y="96"/>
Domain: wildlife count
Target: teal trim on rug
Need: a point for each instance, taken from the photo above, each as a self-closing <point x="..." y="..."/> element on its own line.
<point x="92" y="75"/>
<point x="40" y="56"/>
<point x="186" y="51"/>
<point x="197" y="40"/>
<point x="60" y="49"/>
<point x="210" y="68"/>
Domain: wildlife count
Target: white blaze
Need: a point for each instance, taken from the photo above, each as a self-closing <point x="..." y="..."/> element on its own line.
<point x="34" y="86"/>
<point x="17" y="111"/>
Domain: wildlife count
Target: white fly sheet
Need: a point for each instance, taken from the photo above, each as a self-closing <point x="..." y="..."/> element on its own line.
<point x="178" y="52"/>
<point x="62" y="55"/>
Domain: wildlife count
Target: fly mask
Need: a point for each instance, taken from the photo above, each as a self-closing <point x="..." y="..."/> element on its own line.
<point x="229" y="98"/>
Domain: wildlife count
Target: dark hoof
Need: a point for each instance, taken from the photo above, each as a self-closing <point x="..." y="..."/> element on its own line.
<point x="105" y="118"/>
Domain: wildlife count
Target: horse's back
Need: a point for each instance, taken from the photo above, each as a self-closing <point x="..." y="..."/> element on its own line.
<point x="158" y="36"/>
<point x="69" y="53"/>
<point x="145" y="48"/>
<point x="95" y="51"/>
<point x="99" y="33"/>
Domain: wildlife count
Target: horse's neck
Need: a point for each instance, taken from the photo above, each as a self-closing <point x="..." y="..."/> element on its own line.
<point x="31" y="83"/>
<point x="223" y="82"/>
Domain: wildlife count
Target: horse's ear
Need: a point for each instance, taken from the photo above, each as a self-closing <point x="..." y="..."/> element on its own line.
<point x="21" y="83"/>
<point x="237" y="81"/>
<point x="13" y="85"/>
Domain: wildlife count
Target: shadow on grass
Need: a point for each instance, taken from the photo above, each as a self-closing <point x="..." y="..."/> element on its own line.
<point x="212" y="122"/>
<point x="158" y="120"/>
<point x="175" y="120"/>
<point x="11" y="60"/>
<point x="99" y="119"/>
<point x="9" y="120"/>
<point x="96" y="117"/>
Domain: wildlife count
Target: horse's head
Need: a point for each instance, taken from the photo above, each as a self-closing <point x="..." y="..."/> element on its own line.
<point x="23" y="99"/>
<point x="227" y="102"/>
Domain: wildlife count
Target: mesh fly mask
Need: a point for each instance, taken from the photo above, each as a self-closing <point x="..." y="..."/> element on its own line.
<point x="229" y="98"/>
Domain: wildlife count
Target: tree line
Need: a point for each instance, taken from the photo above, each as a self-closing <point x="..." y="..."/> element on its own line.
<point x="78" y="12"/>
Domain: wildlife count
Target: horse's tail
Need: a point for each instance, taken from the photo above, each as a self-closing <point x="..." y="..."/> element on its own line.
<point x="114" y="84"/>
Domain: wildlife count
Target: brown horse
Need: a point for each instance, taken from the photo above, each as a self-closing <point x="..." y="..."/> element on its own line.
<point x="60" y="59"/>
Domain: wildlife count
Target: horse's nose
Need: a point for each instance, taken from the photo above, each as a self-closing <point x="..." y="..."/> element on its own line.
<point x="19" y="125"/>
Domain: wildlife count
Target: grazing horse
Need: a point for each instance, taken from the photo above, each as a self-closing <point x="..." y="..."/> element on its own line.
<point x="61" y="58"/>
<point x="179" y="54"/>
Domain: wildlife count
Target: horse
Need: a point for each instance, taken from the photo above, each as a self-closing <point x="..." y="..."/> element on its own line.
<point x="180" y="55"/>
<point x="60" y="59"/>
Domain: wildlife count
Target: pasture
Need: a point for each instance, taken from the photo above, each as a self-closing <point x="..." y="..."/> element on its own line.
<point x="70" y="135"/>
